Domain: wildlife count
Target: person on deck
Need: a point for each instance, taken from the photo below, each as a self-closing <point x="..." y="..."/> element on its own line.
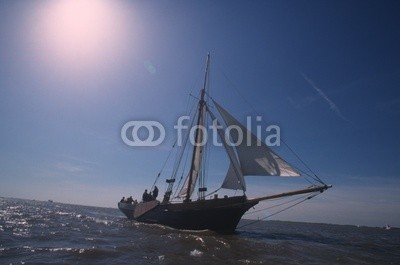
<point x="123" y="199"/>
<point x="155" y="192"/>
<point x="145" y="196"/>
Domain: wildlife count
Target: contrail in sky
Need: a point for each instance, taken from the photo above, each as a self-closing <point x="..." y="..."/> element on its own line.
<point x="332" y="105"/>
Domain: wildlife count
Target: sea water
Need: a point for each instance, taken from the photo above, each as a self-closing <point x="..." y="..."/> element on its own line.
<point x="34" y="232"/>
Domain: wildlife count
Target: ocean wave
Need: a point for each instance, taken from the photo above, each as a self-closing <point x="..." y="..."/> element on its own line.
<point x="39" y="232"/>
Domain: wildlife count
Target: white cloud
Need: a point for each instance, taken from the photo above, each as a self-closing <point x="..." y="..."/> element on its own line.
<point x="332" y="105"/>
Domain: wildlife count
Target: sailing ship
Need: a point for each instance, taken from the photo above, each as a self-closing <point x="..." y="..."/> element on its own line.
<point x="251" y="157"/>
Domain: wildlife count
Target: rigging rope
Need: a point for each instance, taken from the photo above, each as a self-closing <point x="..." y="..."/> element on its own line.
<point x="277" y="205"/>
<point x="163" y="166"/>
<point x="316" y="178"/>
<point x="290" y="206"/>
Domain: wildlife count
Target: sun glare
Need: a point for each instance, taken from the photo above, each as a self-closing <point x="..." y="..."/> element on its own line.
<point x="80" y="33"/>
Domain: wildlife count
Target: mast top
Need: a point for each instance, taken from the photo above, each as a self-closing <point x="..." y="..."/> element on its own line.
<point x="203" y="91"/>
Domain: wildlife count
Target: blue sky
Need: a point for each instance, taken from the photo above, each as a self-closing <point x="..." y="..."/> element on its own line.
<point x="326" y="72"/>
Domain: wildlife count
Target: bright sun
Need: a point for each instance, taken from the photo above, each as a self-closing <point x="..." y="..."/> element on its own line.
<point x="80" y="33"/>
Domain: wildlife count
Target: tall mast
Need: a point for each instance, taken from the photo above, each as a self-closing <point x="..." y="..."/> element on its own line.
<point x="205" y="78"/>
<point x="196" y="147"/>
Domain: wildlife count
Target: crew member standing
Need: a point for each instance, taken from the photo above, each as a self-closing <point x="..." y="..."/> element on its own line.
<point x="155" y="192"/>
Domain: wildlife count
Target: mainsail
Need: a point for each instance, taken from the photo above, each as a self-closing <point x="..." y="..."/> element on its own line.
<point x="255" y="157"/>
<point x="198" y="156"/>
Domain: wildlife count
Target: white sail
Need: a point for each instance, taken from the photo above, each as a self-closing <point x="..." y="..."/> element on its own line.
<point x="194" y="174"/>
<point x="255" y="157"/>
<point x="234" y="179"/>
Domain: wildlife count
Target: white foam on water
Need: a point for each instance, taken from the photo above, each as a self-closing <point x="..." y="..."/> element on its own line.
<point x="196" y="253"/>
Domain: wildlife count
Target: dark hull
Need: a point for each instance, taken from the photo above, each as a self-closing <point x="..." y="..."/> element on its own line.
<point x="220" y="215"/>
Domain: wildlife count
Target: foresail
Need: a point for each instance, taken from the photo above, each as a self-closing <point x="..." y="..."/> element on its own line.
<point x="231" y="180"/>
<point x="255" y="157"/>
<point x="234" y="177"/>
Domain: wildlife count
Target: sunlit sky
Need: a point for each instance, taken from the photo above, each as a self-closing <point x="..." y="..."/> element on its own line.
<point x="327" y="72"/>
